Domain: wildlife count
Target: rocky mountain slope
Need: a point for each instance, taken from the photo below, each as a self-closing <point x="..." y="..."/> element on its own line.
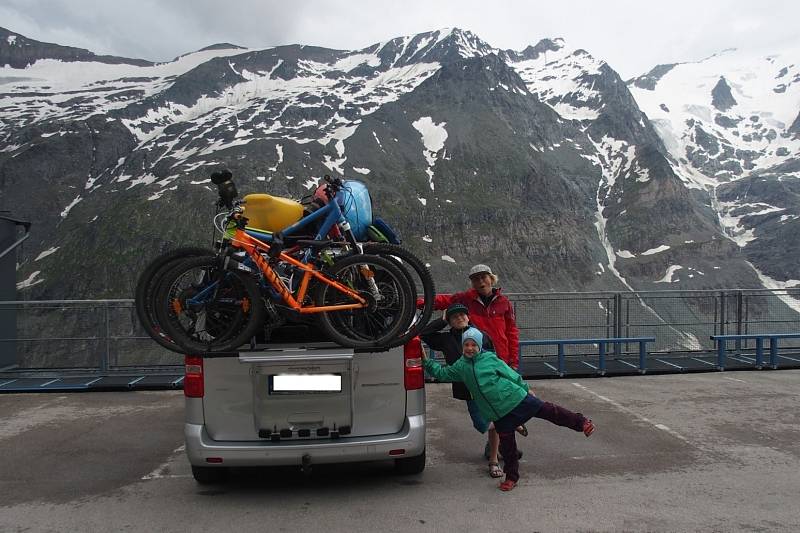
<point x="730" y="124"/>
<point x="539" y="161"/>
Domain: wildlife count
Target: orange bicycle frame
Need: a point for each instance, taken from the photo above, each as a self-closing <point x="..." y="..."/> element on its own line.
<point x="251" y="245"/>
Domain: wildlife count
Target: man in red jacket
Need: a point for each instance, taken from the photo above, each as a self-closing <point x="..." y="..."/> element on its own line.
<point x="489" y="311"/>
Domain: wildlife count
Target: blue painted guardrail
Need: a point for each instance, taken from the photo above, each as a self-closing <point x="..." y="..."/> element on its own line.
<point x="601" y="343"/>
<point x="722" y="341"/>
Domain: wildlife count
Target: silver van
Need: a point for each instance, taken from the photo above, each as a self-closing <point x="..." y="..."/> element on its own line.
<point x="304" y="404"/>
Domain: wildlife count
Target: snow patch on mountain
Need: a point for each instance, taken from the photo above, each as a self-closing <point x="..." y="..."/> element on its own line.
<point x="668" y="277"/>
<point x="30" y="281"/>
<point x="731" y="214"/>
<point x="656" y="250"/>
<point x="69" y="207"/>
<point x="563" y="80"/>
<point x="433" y="138"/>
<point x="46" y="253"/>
<point x="100" y="87"/>
<point x="774" y="284"/>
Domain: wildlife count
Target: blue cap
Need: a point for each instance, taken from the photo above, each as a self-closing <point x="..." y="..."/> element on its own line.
<point x="473" y="334"/>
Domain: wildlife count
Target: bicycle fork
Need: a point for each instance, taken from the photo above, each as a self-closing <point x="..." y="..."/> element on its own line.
<point x="369" y="275"/>
<point x="363" y="268"/>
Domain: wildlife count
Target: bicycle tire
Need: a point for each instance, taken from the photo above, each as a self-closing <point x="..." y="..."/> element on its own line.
<point x="422" y="273"/>
<point x="410" y="317"/>
<point x="340" y="320"/>
<point x="235" y="312"/>
<point x="148" y="283"/>
<point x="363" y="328"/>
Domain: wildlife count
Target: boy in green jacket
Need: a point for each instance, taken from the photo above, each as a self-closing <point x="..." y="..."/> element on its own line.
<point x="502" y="397"/>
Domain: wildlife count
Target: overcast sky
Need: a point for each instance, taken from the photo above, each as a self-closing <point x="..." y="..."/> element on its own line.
<point x="632" y="36"/>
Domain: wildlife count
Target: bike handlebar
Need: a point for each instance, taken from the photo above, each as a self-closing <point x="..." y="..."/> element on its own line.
<point x="336" y="184"/>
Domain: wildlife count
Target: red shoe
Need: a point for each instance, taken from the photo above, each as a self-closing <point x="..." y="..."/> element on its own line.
<point x="588" y="427"/>
<point x="507" y="485"/>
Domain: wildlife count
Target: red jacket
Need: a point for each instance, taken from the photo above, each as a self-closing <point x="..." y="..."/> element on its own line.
<point x="496" y="320"/>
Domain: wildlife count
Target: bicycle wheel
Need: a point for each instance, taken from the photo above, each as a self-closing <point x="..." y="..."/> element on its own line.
<point x="389" y="313"/>
<point x="206" y="309"/>
<point x="147" y="285"/>
<point x="421" y="281"/>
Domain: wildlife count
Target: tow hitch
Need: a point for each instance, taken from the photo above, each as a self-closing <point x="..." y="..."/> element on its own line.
<point x="306" y="465"/>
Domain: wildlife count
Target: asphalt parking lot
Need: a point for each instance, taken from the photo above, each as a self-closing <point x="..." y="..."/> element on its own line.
<point x="699" y="452"/>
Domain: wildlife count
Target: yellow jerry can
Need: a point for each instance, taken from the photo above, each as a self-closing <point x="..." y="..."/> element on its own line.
<point x="271" y="213"/>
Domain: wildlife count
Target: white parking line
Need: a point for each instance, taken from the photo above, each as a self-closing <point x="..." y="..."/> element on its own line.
<point x="662" y="427"/>
<point x="161" y="471"/>
<point x="668" y="363"/>
<point x="734" y="379"/>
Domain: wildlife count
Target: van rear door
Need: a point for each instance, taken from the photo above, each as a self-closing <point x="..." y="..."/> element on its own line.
<point x="299" y="393"/>
<point x="304" y="391"/>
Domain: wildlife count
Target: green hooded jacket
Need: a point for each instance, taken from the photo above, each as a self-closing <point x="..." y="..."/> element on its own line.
<point x="494" y="385"/>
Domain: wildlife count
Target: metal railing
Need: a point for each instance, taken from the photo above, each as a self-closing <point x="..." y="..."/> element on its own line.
<point x="681" y="321"/>
<point x="601" y="344"/>
<point x="774" y="339"/>
<point x="90" y="335"/>
<point x="105" y="335"/>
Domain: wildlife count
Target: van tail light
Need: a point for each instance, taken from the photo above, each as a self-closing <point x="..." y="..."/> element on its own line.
<point x="193" y="377"/>
<point x="414" y="374"/>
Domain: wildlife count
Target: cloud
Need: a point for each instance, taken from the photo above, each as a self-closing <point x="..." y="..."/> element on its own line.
<point x="631" y="36"/>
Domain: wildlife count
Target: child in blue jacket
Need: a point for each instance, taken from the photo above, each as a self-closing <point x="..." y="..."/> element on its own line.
<point x="502" y="397"/>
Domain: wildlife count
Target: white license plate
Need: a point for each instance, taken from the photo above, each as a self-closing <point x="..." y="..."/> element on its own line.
<point x="282" y="383"/>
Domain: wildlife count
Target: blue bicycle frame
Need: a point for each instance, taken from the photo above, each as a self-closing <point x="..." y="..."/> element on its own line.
<point x="332" y="214"/>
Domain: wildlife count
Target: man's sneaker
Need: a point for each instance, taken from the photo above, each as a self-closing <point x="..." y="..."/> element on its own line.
<point x="588" y="427"/>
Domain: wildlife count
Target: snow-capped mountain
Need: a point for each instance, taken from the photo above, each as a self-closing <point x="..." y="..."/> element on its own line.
<point x="539" y="161"/>
<point x="730" y="123"/>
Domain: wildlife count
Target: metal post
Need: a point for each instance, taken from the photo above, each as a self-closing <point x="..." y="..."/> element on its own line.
<point x="773" y="352"/>
<point x="618" y="321"/>
<point x="642" y="355"/>
<point x="561" y="371"/>
<point x="722" y="313"/>
<point x="721" y="354"/>
<point x="759" y="352"/>
<point x="627" y="326"/>
<point x="107" y="351"/>
<point x="716" y="304"/>
<point x="738" y="321"/>
<point x="602" y="366"/>
<point x="746" y="327"/>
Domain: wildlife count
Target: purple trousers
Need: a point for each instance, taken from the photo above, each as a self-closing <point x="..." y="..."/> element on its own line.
<point x="528" y="408"/>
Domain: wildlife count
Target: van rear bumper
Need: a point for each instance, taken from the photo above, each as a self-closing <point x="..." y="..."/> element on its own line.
<point x="199" y="447"/>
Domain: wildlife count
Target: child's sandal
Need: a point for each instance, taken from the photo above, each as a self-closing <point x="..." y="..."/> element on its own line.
<point x="507" y="485"/>
<point x="495" y="470"/>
